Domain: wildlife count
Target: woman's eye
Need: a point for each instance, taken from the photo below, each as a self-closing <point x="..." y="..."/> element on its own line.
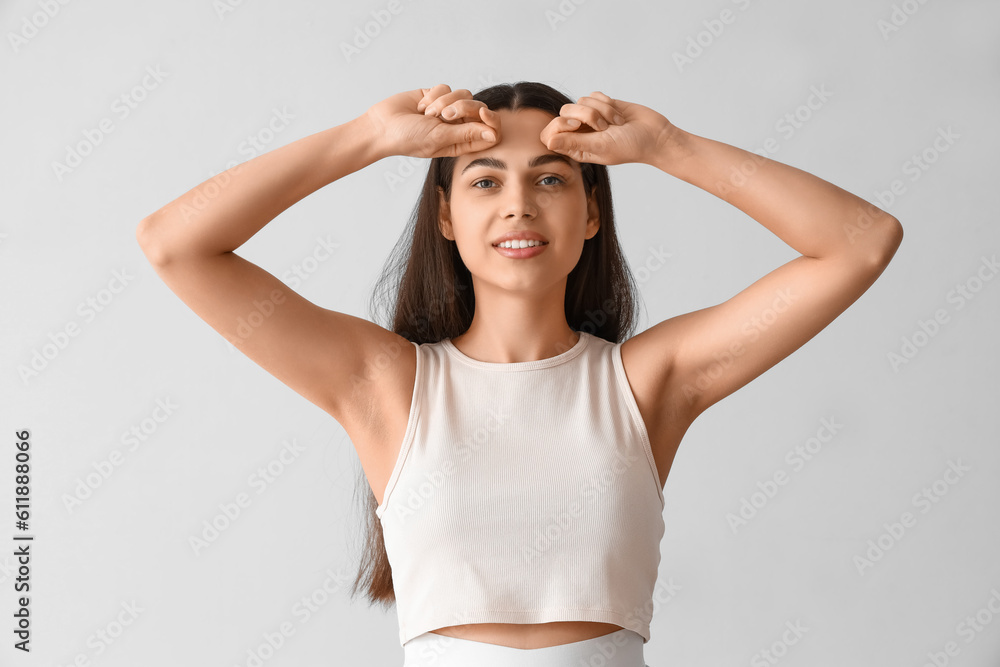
<point x="489" y="180"/>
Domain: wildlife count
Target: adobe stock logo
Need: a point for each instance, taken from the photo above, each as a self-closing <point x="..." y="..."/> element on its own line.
<point x="122" y="107"/>
<point x="779" y="648"/>
<point x="562" y="12"/>
<point x="232" y="509"/>
<point x="927" y="329"/>
<point x="135" y="437"/>
<point x="30" y="26"/>
<point x="900" y="16"/>
<point x="88" y="309"/>
<point x="969" y="628"/>
<point x="364" y="35"/>
<point x="796" y="457"/>
<point x="925" y="500"/>
<point x="699" y="43"/>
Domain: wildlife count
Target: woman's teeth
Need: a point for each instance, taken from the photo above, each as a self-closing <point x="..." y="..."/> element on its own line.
<point x="520" y="244"/>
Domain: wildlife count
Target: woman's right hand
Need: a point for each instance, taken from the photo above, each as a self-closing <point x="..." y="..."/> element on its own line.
<point x="411" y="124"/>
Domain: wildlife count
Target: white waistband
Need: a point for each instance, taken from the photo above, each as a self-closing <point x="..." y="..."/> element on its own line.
<point x="618" y="649"/>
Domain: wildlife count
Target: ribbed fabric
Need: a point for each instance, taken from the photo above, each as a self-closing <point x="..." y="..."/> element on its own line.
<point x="523" y="493"/>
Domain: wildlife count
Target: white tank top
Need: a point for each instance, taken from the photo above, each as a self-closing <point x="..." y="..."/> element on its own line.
<point x="523" y="493"/>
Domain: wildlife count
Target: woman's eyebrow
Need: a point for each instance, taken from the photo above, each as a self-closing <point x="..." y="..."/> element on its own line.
<point x="497" y="163"/>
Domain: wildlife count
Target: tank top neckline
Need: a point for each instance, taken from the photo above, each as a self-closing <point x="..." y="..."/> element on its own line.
<point x="562" y="358"/>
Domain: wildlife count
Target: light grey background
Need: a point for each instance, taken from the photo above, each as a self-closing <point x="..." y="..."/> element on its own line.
<point x="222" y="75"/>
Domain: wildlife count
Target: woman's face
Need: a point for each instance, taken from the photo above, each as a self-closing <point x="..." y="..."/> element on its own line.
<point x="496" y="191"/>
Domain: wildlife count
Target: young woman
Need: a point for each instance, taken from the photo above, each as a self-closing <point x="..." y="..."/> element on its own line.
<point x="514" y="434"/>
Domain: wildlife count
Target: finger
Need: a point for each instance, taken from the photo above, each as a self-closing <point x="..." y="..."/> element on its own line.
<point x="566" y="144"/>
<point x="580" y="146"/>
<point x="491" y="118"/>
<point x="607" y="110"/>
<point x="431" y="94"/>
<point x="556" y="125"/>
<point x="461" y="109"/>
<point x="435" y="106"/>
<point x="619" y="114"/>
<point x="466" y="138"/>
<point x="587" y="114"/>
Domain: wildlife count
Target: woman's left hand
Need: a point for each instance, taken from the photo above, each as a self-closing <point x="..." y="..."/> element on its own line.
<point x="631" y="132"/>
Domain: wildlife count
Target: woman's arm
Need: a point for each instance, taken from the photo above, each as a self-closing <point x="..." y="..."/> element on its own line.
<point x="693" y="360"/>
<point x="317" y="352"/>
<point x="814" y="217"/>
<point x="845" y="243"/>
<point x="333" y="359"/>
<point x="220" y="214"/>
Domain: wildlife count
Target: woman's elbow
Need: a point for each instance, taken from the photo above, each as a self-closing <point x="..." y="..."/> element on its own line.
<point x="145" y="236"/>
<point x="885" y="243"/>
<point x="893" y="238"/>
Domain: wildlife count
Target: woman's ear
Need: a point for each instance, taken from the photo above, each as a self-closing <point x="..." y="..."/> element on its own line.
<point x="593" y="214"/>
<point x="444" y="215"/>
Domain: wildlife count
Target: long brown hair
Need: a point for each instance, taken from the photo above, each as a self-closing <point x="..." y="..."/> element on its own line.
<point x="425" y="292"/>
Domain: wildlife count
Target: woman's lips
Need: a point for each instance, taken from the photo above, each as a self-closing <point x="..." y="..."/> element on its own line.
<point x="521" y="253"/>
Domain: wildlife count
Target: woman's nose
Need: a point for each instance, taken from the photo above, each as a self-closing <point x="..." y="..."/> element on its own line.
<point x="520" y="201"/>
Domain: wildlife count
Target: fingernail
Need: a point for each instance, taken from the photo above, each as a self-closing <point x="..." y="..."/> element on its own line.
<point x="449" y="113"/>
<point x="601" y="123"/>
<point x="573" y="122"/>
<point x="619" y="119"/>
<point x="421" y="107"/>
<point x="489" y="136"/>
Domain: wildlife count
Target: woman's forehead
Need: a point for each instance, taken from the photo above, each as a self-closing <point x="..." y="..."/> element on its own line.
<point x="520" y="144"/>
